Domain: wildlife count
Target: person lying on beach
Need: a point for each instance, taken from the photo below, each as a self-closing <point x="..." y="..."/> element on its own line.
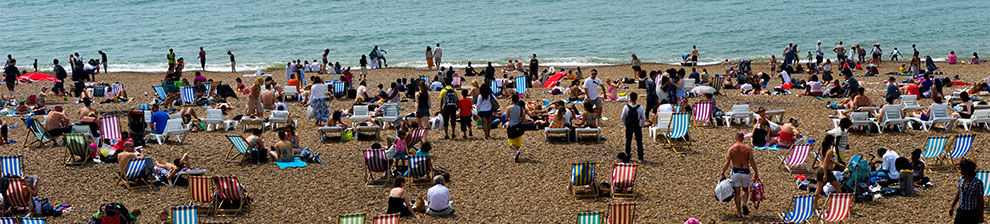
<point x="788" y="134"/>
<point x="165" y="170"/>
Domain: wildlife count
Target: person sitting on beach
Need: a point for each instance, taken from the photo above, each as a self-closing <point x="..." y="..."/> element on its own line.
<point x="267" y="97"/>
<point x="282" y="151"/>
<point x="165" y="170"/>
<point x="438" y="199"/>
<point x="590" y="116"/>
<point x="886" y="163"/>
<point x="613" y="89"/>
<point x="241" y="88"/>
<point x="574" y="92"/>
<point x="761" y="129"/>
<point x="424" y="149"/>
<point x="975" y="60"/>
<point x="814" y="87"/>
<point x="926" y="113"/>
<point x="336" y="119"/>
<point x="509" y="67"/>
<point x="398" y="200"/>
<point x="788" y="134"/>
<point x="519" y="67"/>
<point x="825" y="173"/>
<point x="56" y="123"/>
<point x="967" y="106"/>
<point x="125" y="157"/>
<point x="860" y="100"/>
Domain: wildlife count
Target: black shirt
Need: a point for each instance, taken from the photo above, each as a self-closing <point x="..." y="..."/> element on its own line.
<point x="489" y="72"/>
<point x="60" y="73"/>
<point x="10" y="72"/>
<point x="534" y="64"/>
<point x="104" y="57"/>
<point x="364" y="62"/>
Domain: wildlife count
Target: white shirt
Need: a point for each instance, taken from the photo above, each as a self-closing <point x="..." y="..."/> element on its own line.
<point x="317" y="91"/>
<point x="314" y="67"/>
<point x="485" y="105"/>
<point x="567" y="116"/>
<point x="785" y="76"/>
<point x="665" y="108"/>
<point x="815" y="86"/>
<point x="888" y="164"/>
<point x="438" y="53"/>
<point x="639" y="112"/>
<point x="439" y="197"/>
<point x="288" y="73"/>
<point x="746" y="86"/>
<point x="436" y="86"/>
<point x="591" y="88"/>
<point x="362" y="91"/>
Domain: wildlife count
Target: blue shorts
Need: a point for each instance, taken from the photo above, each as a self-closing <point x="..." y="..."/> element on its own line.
<point x="484" y="114"/>
<point x="423" y="112"/>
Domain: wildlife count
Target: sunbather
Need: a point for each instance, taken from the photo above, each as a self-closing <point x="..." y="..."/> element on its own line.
<point x="398" y="200"/>
<point x="166" y="170"/>
<point x="283" y="150"/>
<point x="966" y="105"/>
<point x="589" y="116"/>
<point x="827" y="181"/>
<point x="125" y="157"/>
<point x="788" y="134"/>
<point x="56" y="123"/>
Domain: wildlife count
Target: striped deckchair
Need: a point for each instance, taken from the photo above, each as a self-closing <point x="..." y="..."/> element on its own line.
<point x="352" y="218"/>
<point x="496" y="89"/>
<point x="623" y="180"/>
<point x="10" y="166"/>
<point x="717" y="84"/>
<point x="232" y="194"/>
<point x="78" y="145"/>
<point x="36" y="129"/>
<point x="160" y="90"/>
<point x="184" y="215"/>
<point x="387" y="219"/>
<point x="338" y="90"/>
<point x="8" y="220"/>
<point x="188" y="95"/>
<point x="984" y="175"/>
<point x="110" y="126"/>
<point x="17" y="196"/>
<point x="420" y="171"/>
<point x="703" y="112"/>
<point x="935" y="147"/>
<point x="678" y="130"/>
<point x="960" y="147"/>
<point x="838" y="207"/>
<point x="803" y="207"/>
<point x="377" y="162"/>
<point x="583" y="175"/>
<point x="32" y="220"/>
<point x="240" y="147"/>
<point x="116" y="88"/>
<point x="589" y="218"/>
<point x="456" y="82"/>
<point x="134" y="178"/>
<point x="415" y="137"/>
<point x="521" y="84"/>
<point x="621" y="213"/>
<point x="795" y="161"/>
<point x="199" y="191"/>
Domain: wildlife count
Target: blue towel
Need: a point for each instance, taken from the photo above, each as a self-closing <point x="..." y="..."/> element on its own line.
<point x="295" y="163"/>
<point x="772" y="147"/>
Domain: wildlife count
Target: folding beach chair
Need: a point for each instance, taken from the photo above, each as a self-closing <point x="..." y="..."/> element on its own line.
<point x="188" y="95"/>
<point x="211" y="88"/>
<point x="37" y="130"/>
<point x="960" y="147"/>
<point x="184" y="215"/>
<point x="415" y="137"/>
<point x="583" y="176"/>
<point x="456" y="82"/>
<point x="339" y="90"/>
<point x="804" y="205"/>
<point x="623" y="180"/>
<point x="32" y="220"/>
<point x="420" y="171"/>
<point x="8" y="220"/>
<point x="910" y="103"/>
<point x="703" y="112"/>
<point x="110" y="128"/>
<point x="838" y="207"/>
<point x="17" y="196"/>
<point x="795" y="161"/>
<point x="978" y="117"/>
<point x="232" y="195"/>
<point x="376" y="162"/>
<point x="78" y="146"/>
<point x="984" y="175"/>
<point x="939" y="115"/>
<point x="162" y="95"/>
<point x="739" y="112"/>
<point x="173" y="127"/>
<point x="116" y="88"/>
<point x="387" y="219"/>
<point x="496" y="89"/>
<point x="589" y="218"/>
<point x="352" y="218"/>
<point x="199" y="191"/>
<point x="935" y="147"/>
<point x="134" y="178"/>
<point x="240" y="146"/>
<point x="717" y="83"/>
<point x="662" y="125"/>
<point x="10" y="166"/>
<point x="214" y="118"/>
<point x="677" y="134"/>
<point x="521" y="85"/>
<point x="621" y="213"/>
<point x="892" y="117"/>
<point x="84" y="130"/>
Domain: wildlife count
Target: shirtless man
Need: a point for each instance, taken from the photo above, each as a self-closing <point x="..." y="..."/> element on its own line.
<point x="740" y="156"/>
<point x="125" y="157"/>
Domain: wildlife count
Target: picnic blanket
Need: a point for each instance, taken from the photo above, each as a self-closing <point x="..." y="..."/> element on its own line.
<point x="296" y="162"/>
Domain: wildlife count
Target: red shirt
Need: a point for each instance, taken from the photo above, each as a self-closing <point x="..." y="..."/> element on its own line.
<point x="464" y="107"/>
<point x="913" y="90"/>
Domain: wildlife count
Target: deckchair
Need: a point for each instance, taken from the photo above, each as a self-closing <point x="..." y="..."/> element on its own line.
<point x="78" y="145"/>
<point x="387" y="219"/>
<point x="8" y="220"/>
<point x="415" y="137"/>
<point x="352" y="218"/>
<point x="240" y="147"/>
<point x="339" y="90"/>
<point x="623" y="180"/>
<point x="678" y="130"/>
<point x="110" y="128"/>
<point x="10" y="166"/>
<point x="739" y="112"/>
<point x="689" y="84"/>
<point x="162" y="95"/>
<point x="935" y="147"/>
<point x="984" y="176"/>
<point x="621" y="212"/>
<point x="173" y="127"/>
<point x="32" y="220"/>
<point x="589" y="218"/>
<point x="521" y="85"/>
<point x="134" y="178"/>
<point x="456" y="82"/>
<point x="17" y="196"/>
<point x="292" y="91"/>
<point x="36" y="129"/>
<point x="838" y="207"/>
<point x="390" y="113"/>
<point x="978" y="117"/>
<point x="496" y="89"/>
<point x="376" y="162"/>
<point x="910" y="103"/>
<point x="862" y="119"/>
<point x="116" y="88"/>
<point x="795" y="161"/>
<point x="420" y="171"/>
<point x="960" y="147"/>
<point x="717" y="83"/>
<point x="199" y="191"/>
<point x="939" y="115"/>
<point x="188" y="95"/>
<point x="85" y="131"/>
<point x="232" y="193"/>
<point x="184" y="215"/>
<point x="892" y="116"/>
<point x="703" y="112"/>
<point x="803" y="208"/>
<point x="583" y="176"/>
<point x="662" y="125"/>
<point x="214" y="118"/>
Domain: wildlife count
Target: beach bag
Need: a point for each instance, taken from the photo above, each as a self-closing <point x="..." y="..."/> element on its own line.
<point x="756" y="194"/>
<point x="43" y="208"/>
<point x="723" y="190"/>
<point x="495" y="106"/>
<point x="347" y="135"/>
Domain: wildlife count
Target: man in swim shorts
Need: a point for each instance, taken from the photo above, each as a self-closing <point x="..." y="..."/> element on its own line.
<point x="740" y="156"/>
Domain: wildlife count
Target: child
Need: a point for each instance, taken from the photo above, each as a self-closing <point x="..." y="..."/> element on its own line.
<point x="424" y="149"/>
<point x="464" y="106"/>
<point x="902" y="69"/>
<point x="241" y="88"/>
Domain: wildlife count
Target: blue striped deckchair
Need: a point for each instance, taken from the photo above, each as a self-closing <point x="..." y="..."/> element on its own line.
<point x="32" y="220"/>
<point x="352" y="218"/>
<point x="99" y="91"/>
<point x="8" y="220"/>
<point x="184" y="215"/>
<point x="134" y="177"/>
<point x="35" y="128"/>
<point x="678" y="129"/>
<point x="589" y="218"/>
<point x="78" y="145"/>
<point x="984" y="175"/>
<point x="960" y="147"/>
<point x="935" y="147"/>
<point x="496" y="89"/>
<point x="338" y="90"/>
<point x="188" y="96"/>
<point x="803" y="208"/>
<point x="420" y="171"/>
<point x="583" y="174"/>
<point x="240" y="146"/>
<point x="10" y="166"/>
<point x="521" y="84"/>
<point x="161" y="92"/>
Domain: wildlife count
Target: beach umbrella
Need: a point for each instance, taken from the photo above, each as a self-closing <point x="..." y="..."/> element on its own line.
<point x="552" y="81"/>
<point x="703" y="90"/>
<point x="36" y="77"/>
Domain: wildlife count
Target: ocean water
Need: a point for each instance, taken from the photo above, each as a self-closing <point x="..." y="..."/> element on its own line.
<point x="137" y="34"/>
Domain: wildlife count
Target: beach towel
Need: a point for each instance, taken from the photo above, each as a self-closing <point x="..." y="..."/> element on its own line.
<point x="552" y="81"/>
<point x="296" y="162"/>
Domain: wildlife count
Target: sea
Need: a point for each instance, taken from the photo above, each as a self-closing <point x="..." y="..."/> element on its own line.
<point x="136" y="34"/>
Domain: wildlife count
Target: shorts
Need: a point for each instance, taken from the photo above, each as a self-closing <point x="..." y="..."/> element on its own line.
<point x="740" y="179"/>
<point x="637" y="68"/>
<point x="484" y="114"/>
<point x="597" y="102"/>
<point x="423" y="112"/>
<point x="517" y="142"/>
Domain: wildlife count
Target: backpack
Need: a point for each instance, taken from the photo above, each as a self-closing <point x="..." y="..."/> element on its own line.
<point x="632" y="117"/>
<point x="450" y="100"/>
<point x="495" y="106"/>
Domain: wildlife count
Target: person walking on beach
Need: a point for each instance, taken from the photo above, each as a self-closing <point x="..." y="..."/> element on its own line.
<point x="819" y="55"/>
<point x="694" y="55"/>
<point x="429" y="58"/>
<point x="877" y="53"/>
<point x="60" y="74"/>
<point x="233" y="63"/>
<point x="103" y="58"/>
<point x="489" y="73"/>
<point x="969" y="195"/>
<point x="895" y="54"/>
<point x="35" y="65"/>
<point x="635" y="65"/>
<point x="591" y="86"/>
<point x="323" y="67"/>
<point x="437" y="55"/>
<point x="364" y="66"/>
<point x="10" y="74"/>
<point x="171" y="60"/>
<point x="202" y="58"/>
<point x="633" y="117"/>
<point x="517" y="125"/>
<point x="840" y="51"/>
<point x="534" y="67"/>
<point x="740" y="157"/>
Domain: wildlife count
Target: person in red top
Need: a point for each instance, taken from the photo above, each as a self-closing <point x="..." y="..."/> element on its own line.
<point x="911" y="89"/>
<point x="294" y="81"/>
<point x="464" y="113"/>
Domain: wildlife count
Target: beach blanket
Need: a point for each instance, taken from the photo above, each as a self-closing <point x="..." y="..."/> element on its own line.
<point x="772" y="147"/>
<point x="296" y="162"/>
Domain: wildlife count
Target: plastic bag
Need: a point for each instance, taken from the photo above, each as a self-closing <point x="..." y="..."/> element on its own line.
<point x="309" y="112"/>
<point x="347" y="135"/>
<point x="723" y="190"/>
